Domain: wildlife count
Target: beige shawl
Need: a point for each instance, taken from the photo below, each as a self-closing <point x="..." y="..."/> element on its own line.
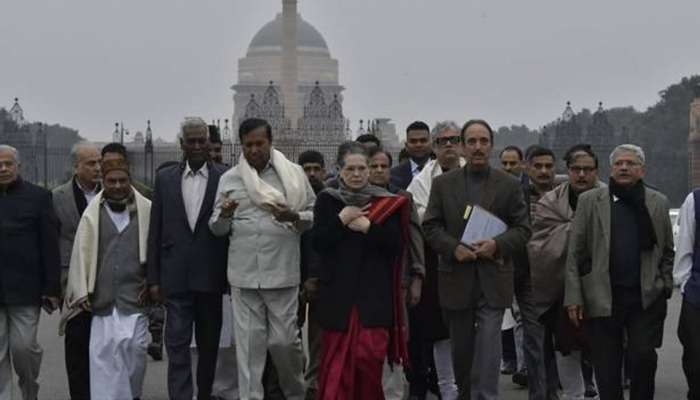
<point x="83" y="261"/>
<point x="547" y="248"/>
<point x="421" y="184"/>
<point x="265" y="196"/>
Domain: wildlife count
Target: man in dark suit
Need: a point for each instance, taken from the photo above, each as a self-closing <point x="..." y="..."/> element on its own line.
<point x="186" y="263"/>
<point x="475" y="279"/>
<point x="70" y="200"/>
<point x="418" y="147"/>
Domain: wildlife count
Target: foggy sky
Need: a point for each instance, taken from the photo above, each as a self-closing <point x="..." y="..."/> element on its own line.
<point x="86" y="64"/>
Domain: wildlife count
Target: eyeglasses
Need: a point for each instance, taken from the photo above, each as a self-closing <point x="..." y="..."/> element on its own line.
<point x="578" y="170"/>
<point x="442" y="141"/>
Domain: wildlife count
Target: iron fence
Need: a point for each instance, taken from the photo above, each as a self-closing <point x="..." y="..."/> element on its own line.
<point x="51" y="166"/>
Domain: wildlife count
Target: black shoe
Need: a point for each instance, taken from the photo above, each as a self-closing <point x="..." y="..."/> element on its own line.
<point x="591" y="392"/>
<point x="155" y="350"/>
<point x="520" y="378"/>
<point x="508" y="367"/>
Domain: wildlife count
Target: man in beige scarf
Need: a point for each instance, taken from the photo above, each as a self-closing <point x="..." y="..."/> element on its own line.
<point x="107" y="277"/>
<point x="264" y="204"/>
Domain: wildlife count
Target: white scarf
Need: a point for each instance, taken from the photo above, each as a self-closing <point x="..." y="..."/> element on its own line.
<point x="421" y="184"/>
<point x="265" y="196"/>
<point x="83" y="261"/>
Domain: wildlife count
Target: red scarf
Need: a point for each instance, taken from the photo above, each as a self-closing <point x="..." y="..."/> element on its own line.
<point x="380" y="210"/>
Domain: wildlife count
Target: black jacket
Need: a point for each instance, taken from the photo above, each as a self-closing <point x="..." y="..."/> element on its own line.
<point x="356" y="268"/>
<point x="29" y="256"/>
<point x="180" y="260"/>
<point x="401" y="175"/>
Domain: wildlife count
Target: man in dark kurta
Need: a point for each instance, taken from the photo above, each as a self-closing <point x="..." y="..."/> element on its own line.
<point x="475" y="280"/>
<point x="29" y="276"/>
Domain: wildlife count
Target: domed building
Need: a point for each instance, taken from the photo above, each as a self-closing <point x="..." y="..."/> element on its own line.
<point x="264" y="64"/>
<point x="289" y="78"/>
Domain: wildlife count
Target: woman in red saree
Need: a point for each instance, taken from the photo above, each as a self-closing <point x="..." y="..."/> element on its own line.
<point x="360" y="232"/>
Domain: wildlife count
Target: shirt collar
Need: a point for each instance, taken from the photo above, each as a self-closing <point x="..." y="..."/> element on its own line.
<point x="87" y="191"/>
<point x="414" y="165"/>
<point x="203" y="171"/>
<point x="268" y="166"/>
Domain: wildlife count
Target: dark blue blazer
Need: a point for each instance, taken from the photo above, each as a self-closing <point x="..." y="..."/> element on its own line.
<point x="29" y="258"/>
<point x="179" y="260"/>
<point x="401" y="175"/>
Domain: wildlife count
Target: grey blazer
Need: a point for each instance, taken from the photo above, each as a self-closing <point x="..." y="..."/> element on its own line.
<point x="444" y="223"/>
<point x="588" y="260"/>
<point x="67" y="213"/>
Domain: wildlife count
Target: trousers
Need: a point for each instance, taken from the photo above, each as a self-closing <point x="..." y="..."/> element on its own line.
<point x="77" y="344"/>
<point x="19" y="347"/>
<point x="185" y="311"/>
<point x="689" y="335"/>
<point x="644" y="329"/>
<point x="475" y="335"/>
<point x="266" y="319"/>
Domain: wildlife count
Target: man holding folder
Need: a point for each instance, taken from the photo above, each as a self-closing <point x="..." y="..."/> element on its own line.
<point x="475" y="280"/>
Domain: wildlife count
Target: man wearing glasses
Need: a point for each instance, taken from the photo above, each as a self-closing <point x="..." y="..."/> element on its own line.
<point x="619" y="274"/>
<point x="551" y="223"/>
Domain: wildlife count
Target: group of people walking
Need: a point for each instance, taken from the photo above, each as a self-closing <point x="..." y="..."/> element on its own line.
<point x="402" y="275"/>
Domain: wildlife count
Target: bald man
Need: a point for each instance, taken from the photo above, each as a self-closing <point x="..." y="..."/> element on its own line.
<point x="70" y="200"/>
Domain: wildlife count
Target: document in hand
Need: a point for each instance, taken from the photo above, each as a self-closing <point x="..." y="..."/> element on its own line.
<point x="481" y="225"/>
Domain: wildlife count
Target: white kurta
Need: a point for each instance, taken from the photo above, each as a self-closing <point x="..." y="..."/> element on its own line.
<point x="118" y="356"/>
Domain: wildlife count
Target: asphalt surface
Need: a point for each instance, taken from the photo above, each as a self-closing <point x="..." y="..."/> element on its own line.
<point x="670" y="381"/>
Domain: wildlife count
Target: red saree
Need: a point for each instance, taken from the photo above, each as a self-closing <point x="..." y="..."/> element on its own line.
<point x="352" y="361"/>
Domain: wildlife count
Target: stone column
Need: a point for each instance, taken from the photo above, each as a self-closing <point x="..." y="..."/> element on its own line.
<point x="290" y="74"/>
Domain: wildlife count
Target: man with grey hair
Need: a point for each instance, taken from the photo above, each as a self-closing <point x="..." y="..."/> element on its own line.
<point x="69" y="201"/>
<point x="619" y="274"/>
<point x="29" y="274"/>
<point x="186" y="267"/>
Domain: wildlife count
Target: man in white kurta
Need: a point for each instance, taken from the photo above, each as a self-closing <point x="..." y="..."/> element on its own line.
<point x="263" y="204"/>
<point x="107" y="277"/>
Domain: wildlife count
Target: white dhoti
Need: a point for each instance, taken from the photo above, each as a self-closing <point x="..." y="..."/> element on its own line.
<point x="117" y="356"/>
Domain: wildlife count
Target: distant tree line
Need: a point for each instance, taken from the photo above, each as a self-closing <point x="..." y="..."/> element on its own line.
<point x="662" y="130"/>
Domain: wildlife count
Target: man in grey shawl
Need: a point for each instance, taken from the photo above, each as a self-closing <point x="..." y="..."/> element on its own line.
<point x="551" y="223"/>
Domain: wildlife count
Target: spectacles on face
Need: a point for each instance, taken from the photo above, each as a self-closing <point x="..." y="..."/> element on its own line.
<point x="453" y="140"/>
<point x="577" y="170"/>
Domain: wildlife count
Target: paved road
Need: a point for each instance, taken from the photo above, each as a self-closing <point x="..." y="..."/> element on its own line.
<point x="670" y="382"/>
